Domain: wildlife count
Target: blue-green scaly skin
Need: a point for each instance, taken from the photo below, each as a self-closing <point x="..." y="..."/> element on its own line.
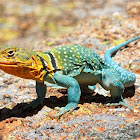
<point x="128" y="79"/>
<point x="81" y="67"/>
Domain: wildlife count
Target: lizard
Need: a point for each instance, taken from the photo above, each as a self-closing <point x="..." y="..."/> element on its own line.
<point x="73" y="67"/>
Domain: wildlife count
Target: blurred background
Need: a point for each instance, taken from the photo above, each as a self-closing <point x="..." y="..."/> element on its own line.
<point x="28" y="22"/>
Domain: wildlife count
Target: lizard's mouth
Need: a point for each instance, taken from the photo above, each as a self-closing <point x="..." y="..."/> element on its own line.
<point x="26" y="70"/>
<point x="12" y="66"/>
<point x="8" y="63"/>
<point x="9" y="66"/>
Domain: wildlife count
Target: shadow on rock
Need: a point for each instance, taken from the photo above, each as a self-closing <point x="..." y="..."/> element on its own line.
<point x="53" y="102"/>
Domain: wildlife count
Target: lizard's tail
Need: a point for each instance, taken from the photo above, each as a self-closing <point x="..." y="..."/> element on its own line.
<point x="127" y="78"/>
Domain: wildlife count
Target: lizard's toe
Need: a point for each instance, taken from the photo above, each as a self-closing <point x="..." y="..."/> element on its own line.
<point x="122" y="103"/>
<point x="68" y="107"/>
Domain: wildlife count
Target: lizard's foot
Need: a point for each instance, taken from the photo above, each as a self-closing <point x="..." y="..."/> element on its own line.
<point x="68" y="107"/>
<point x="87" y="88"/>
<point x="122" y="103"/>
<point x="33" y="104"/>
<point x="92" y="88"/>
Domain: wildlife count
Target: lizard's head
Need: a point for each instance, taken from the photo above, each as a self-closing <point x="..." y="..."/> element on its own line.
<point x="21" y="62"/>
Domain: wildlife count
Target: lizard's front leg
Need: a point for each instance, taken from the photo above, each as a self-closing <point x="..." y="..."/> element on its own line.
<point x="74" y="91"/>
<point x="41" y="92"/>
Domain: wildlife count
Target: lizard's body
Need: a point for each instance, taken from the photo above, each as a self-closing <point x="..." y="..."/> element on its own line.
<point x="74" y="67"/>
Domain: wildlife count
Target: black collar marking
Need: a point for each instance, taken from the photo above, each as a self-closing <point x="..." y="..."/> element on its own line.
<point x="52" y="60"/>
<point x="43" y="62"/>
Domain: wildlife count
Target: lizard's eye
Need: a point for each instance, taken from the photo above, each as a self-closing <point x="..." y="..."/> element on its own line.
<point x="10" y="53"/>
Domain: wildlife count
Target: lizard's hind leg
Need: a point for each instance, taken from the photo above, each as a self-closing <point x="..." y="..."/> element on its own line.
<point x="116" y="94"/>
<point x="111" y="81"/>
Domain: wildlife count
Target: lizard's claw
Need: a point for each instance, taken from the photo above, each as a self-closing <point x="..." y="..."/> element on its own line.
<point x="68" y="107"/>
<point x="120" y="103"/>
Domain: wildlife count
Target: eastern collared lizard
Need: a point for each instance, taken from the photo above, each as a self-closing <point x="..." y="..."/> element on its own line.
<point x="74" y="67"/>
